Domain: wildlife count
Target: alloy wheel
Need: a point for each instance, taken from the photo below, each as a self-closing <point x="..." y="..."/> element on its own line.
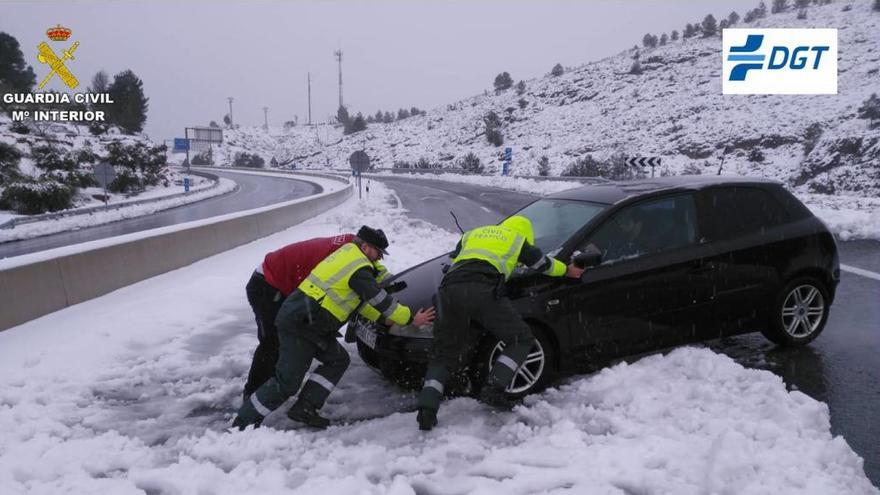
<point x="529" y="373"/>
<point x="802" y="311"/>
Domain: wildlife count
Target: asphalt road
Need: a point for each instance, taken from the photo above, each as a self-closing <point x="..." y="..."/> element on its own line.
<point x="841" y="367"/>
<point x="254" y="191"/>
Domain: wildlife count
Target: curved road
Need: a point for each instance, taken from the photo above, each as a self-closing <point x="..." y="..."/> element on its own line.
<point x="254" y="191"/>
<point x="840" y="368"/>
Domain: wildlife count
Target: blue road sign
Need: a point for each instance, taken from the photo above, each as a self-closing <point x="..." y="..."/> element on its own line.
<point x="186" y="184"/>
<point x="181" y="144"/>
<point x="505" y="167"/>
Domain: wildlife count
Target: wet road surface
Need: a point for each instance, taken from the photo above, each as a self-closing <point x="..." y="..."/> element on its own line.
<point x="254" y="191"/>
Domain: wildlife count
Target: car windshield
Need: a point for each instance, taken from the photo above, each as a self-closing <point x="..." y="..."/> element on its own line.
<point x="556" y="220"/>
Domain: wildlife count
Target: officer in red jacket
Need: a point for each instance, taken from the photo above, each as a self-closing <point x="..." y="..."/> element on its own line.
<point x="278" y="275"/>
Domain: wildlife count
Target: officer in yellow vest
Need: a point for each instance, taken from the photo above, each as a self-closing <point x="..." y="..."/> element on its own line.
<point x="308" y="324"/>
<point x="472" y="291"/>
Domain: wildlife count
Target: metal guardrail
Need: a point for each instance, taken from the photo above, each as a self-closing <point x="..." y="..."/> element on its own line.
<point x="9" y="224"/>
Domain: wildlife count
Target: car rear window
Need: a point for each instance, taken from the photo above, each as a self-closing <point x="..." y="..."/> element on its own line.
<point x="738" y="211"/>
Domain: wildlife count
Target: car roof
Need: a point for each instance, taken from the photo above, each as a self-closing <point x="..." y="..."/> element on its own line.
<point x="613" y="192"/>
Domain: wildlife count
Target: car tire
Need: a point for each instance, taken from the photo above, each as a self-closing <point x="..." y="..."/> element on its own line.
<point x="544" y="371"/>
<point x="799" y="312"/>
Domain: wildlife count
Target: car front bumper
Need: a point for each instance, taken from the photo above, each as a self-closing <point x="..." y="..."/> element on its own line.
<point x="393" y="347"/>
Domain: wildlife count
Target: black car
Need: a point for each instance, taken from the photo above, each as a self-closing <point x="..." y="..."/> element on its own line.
<point x="676" y="260"/>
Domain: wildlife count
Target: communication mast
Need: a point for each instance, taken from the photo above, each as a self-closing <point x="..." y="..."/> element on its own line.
<point x="338" y="54"/>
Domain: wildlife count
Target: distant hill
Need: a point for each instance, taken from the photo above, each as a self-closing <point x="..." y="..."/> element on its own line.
<point x="673" y="109"/>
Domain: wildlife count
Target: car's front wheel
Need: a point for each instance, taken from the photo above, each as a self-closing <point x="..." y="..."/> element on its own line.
<point x="799" y="313"/>
<point x="535" y="373"/>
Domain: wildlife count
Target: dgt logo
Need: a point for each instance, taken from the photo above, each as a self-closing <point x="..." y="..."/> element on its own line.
<point x="779" y="61"/>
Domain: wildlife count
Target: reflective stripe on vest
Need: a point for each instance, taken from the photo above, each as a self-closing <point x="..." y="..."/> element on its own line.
<point x="504" y="240"/>
<point x="334" y="293"/>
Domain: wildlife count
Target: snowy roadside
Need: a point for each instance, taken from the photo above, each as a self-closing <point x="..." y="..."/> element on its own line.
<point x="133" y="391"/>
<point x="74" y="222"/>
<point x="530" y="186"/>
<point x="848" y="217"/>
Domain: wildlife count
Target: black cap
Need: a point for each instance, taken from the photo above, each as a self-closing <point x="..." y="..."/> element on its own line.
<point x="374" y="237"/>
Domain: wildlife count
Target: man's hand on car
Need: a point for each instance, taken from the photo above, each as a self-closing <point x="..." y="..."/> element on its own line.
<point x="423" y="316"/>
<point x="573" y="271"/>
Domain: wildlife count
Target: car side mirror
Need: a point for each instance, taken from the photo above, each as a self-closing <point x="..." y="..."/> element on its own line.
<point x="588" y="258"/>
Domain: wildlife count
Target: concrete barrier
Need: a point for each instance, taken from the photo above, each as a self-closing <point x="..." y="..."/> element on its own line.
<point x="34" y="289"/>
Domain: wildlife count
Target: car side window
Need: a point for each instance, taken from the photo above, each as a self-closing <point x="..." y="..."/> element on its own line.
<point x="645" y="228"/>
<point x="739" y="211"/>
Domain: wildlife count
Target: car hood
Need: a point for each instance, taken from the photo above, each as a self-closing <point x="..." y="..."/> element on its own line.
<point x="422" y="282"/>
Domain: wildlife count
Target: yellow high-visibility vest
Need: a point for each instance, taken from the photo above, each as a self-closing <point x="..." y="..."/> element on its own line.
<point x="495" y="244"/>
<point x="328" y="283"/>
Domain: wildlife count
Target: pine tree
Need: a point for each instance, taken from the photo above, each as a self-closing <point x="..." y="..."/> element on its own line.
<point x="544" y="166"/>
<point x="15" y="75"/>
<point x="520" y="88"/>
<point x="802" y="4"/>
<point x="503" y="81"/>
<point x="100" y="82"/>
<point x="470" y="164"/>
<point x="674" y="36"/>
<point x="402" y="114"/>
<point x="414" y="112"/>
<point x="761" y="11"/>
<point x="557" y="70"/>
<point x="635" y="68"/>
<point x="688" y="31"/>
<point x="649" y="40"/>
<point x="356" y="125"/>
<point x="388" y="118"/>
<point x="732" y="19"/>
<point x="342" y="116"/>
<point x="129" y="109"/>
<point x="380" y="117"/>
<point x="779" y="6"/>
<point x="870" y="110"/>
<point x="663" y="39"/>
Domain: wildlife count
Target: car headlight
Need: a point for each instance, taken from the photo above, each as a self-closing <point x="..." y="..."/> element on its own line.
<point x="425" y="331"/>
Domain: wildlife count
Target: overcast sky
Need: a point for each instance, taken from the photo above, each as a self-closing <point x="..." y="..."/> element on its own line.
<point x="192" y="55"/>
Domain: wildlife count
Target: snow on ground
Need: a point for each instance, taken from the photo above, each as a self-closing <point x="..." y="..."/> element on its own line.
<point x="75" y="222"/>
<point x="133" y="393"/>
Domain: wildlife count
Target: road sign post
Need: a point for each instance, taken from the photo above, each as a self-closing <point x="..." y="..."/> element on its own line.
<point x="505" y="167"/>
<point x="641" y="161"/>
<point x="359" y="161"/>
<point x="104" y="173"/>
<point x="181" y="145"/>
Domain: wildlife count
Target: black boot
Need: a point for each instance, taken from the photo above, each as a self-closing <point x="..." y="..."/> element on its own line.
<point x="305" y="413"/>
<point x="241" y="423"/>
<point x="496" y="397"/>
<point x="427" y="418"/>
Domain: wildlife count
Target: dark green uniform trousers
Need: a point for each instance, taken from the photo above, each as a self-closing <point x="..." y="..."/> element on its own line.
<point x="455" y="340"/>
<point x="305" y="332"/>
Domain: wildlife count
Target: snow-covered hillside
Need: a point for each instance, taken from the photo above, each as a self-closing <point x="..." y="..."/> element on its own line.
<point x="674" y="110"/>
<point x="64" y="155"/>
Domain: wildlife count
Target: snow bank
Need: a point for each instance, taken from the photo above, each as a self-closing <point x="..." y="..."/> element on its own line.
<point x="132" y="392"/>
